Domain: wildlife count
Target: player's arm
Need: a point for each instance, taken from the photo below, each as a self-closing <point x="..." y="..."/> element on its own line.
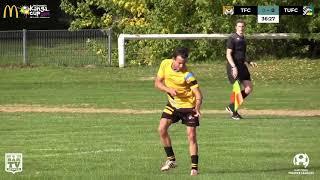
<point x="159" y="84"/>
<point x="194" y="86"/>
<point x="199" y="97"/>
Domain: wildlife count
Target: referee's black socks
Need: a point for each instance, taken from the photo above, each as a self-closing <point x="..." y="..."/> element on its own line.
<point x="244" y="94"/>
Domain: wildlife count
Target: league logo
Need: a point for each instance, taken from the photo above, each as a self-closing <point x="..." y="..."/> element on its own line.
<point x="13" y="162"/>
<point x="301" y="159"/>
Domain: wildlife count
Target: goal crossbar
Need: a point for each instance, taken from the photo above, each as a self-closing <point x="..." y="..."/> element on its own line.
<point x="123" y="37"/>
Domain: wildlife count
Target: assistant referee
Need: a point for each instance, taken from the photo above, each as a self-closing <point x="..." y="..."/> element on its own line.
<point x="237" y="65"/>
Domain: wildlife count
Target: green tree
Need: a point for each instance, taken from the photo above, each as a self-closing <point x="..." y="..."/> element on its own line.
<point x="190" y="16"/>
<point x="104" y="13"/>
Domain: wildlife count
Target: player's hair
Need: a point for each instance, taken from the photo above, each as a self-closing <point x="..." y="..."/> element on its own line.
<point x="181" y="51"/>
<point x="240" y="21"/>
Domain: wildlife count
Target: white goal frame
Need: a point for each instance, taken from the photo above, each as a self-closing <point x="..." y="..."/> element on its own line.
<point x="123" y="37"/>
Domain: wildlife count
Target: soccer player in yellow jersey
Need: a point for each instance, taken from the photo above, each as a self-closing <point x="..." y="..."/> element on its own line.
<point x="184" y="102"/>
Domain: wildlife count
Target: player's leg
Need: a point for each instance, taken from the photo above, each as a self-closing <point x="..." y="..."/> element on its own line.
<point x="163" y="131"/>
<point x="193" y="149"/>
<point x="166" y="142"/>
<point x="191" y="121"/>
<point x="166" y="120"/>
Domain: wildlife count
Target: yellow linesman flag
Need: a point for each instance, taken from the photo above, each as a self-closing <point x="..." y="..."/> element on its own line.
<point x="237" y="96"/>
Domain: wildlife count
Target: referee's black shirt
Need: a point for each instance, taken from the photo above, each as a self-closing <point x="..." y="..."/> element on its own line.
<point x="238" y="45"/>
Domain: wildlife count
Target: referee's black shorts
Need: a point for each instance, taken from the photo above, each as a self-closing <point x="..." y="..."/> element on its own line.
<point x="243" y="73"/>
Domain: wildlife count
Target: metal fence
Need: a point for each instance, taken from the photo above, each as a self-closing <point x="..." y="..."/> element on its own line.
<point x="56" y="47"/>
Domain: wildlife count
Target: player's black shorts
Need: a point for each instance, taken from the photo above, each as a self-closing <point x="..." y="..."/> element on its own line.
<point x="184" y="114"/>
<point x="243" y="73"/>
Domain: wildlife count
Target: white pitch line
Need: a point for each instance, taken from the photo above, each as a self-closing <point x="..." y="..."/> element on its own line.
<point x="45" y="149"/>
<point x="76" y="153"/>
<point x="31" y="108"/>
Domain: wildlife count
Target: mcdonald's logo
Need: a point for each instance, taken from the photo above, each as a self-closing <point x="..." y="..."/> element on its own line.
<point x="10" y="11"/>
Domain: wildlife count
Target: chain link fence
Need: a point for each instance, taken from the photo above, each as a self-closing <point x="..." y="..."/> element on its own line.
<point x="56" y="47"/>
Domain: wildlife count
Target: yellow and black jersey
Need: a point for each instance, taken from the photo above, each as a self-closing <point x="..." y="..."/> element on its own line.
<point x="182" y="82"/>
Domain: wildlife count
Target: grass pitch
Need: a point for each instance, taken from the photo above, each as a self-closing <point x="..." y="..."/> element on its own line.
<point x="113" y="146"/>
<point x="287" y="84"/>
<point x="122" y="146"/>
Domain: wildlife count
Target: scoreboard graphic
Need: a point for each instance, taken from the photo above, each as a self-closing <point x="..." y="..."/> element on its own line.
<point x="269" y="14"/>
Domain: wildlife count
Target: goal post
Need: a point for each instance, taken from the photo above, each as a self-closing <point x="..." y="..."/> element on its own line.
<point x="123" y="37"/>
